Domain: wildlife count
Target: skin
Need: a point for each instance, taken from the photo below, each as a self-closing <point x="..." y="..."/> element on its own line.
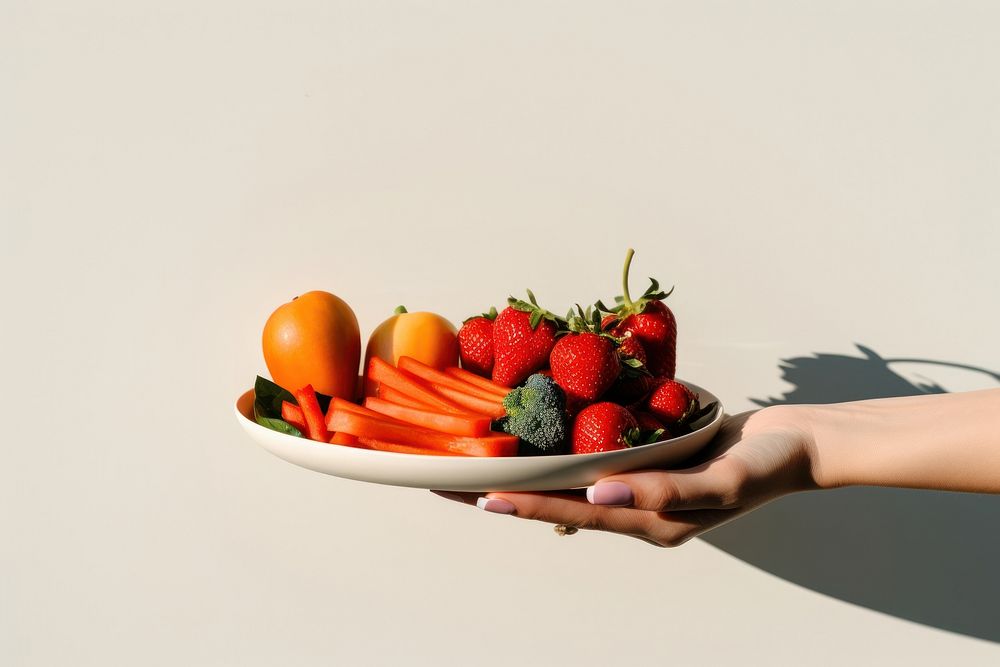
<point x="945" y="442"/>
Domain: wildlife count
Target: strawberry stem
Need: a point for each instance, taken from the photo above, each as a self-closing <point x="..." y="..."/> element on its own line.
<point x="625" y="294"/>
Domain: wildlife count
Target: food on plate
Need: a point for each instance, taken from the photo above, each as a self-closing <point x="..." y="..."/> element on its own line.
<point x="427" y="337"/>
<point x="585" y="364"/>
<point x="475" y="343"/>
<point x="314" y="340"/>
<point x="367" y="427"/>
<point x="648" y="320"/>
<point x="523" y="336"/>
<point x="604" y="427"/>
<point x="474" y="425"/>
<point x="530" y="383"/>
<point x="312" y="414"/>
<point x="672" y="403"/>
<point x="536" y="413"/>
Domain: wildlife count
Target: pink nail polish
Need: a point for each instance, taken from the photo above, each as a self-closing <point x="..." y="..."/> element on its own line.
<point x="496" y="505"/>
<point x="610" y="493"/>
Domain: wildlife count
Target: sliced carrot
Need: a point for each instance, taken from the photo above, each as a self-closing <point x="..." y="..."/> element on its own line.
<point x="344" y="439"/>
<point x="431" y="374"/>
<point x="429" y="419"/>
<point x="364" y="426"/>
<point x="493" y="408"/>
<point x="479" y="381"/>
<point x="292" y="414"/>
<point x="384" y="373"/>
<point x="313" y="416"/>
<point x="387" y="393"/>
<point x="339" y="404"/>
<point x="386" y="446"/>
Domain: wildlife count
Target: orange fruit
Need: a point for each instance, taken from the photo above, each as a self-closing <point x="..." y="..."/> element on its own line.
<point x="427" y="337"/>
<point x="314" y="339"/>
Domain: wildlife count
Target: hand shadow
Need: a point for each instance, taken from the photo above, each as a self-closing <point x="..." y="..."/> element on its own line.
<point x="925" y="556"/>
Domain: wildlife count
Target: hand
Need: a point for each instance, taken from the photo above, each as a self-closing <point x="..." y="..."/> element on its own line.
<point x="757" y="457"/>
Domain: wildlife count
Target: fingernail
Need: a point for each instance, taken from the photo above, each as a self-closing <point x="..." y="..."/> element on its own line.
<point x="449" y="496"/>
<point x="497" y="505"/>
<point x="610" y="493"/>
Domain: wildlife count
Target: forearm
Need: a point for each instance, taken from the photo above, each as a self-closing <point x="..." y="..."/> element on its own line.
<point x="941" y="441"/>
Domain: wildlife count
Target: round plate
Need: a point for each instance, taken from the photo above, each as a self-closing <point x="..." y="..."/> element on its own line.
<point x="460" y="473"/>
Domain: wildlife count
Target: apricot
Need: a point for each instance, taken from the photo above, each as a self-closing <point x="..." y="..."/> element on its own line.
<point x="427" y="337"/>
<point x="314" y="339"/>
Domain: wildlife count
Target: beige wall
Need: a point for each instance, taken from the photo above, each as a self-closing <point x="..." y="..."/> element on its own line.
<point x="809" y="177"/>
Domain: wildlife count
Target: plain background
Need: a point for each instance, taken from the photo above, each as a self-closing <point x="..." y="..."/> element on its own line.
<point x="810" y="176"/>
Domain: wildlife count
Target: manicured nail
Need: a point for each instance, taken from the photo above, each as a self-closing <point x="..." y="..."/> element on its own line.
<point x="449" y="496"/>
<point x="610" y="493"/>
<point x="497" y="505"/>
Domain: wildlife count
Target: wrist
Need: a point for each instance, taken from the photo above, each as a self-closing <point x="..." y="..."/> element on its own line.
<point x="797" y="424"/>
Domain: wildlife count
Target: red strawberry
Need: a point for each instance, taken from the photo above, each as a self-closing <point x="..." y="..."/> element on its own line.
<point x="604" y="427"/>
<point x="672" y="402"/>
<point x="648" y="422"/>
<point x="475" y="343"/>
<point x="631" y="390"/>
<point x="649" y="320"/>
<point x="656" y="329"/>
<point x="523" y="336"/>
<point x="631" y="348"/>
<point x="585" y="365"/>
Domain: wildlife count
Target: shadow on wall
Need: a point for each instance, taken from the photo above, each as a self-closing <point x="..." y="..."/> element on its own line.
<point x="925" y="556"/>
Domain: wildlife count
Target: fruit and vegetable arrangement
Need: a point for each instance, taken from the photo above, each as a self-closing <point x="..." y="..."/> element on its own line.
<point x="518" y="382"/>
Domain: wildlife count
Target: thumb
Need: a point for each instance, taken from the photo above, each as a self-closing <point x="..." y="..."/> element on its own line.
<point x="717" y="484"/>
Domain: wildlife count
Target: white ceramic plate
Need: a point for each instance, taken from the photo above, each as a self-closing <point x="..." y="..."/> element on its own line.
<point x="455" y="473"/>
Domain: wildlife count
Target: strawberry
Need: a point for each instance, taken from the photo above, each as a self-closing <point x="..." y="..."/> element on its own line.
<point x="631" y="390"/>
<point x="523" y="336"/>
<point x="647" y="319"/>
<point x="631" y="348"/>
<point x="585" y="365"/>
<point x="649" y="422"/>
<point x="475" y="343"/>
<point x="656" y="329"/>
<point x="672" y="403"/>
<point x="604" y="427"/>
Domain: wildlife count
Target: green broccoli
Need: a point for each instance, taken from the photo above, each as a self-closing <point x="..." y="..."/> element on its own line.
<point x="536" y="413"/>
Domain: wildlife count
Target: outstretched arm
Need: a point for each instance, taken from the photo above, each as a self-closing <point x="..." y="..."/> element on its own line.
<point x="949" y="442"/>
<point x="945" y="441"/>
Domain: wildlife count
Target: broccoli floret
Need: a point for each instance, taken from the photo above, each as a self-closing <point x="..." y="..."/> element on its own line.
<point x="536" y="413"/>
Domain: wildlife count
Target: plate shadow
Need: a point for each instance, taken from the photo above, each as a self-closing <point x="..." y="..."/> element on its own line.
<point x="925" y="556"/>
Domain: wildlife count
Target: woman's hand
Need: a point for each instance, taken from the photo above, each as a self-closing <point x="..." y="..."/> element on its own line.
<point x="757" y="456"/>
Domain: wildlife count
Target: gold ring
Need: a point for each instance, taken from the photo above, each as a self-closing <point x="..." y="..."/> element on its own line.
<point x="563" y="530"/>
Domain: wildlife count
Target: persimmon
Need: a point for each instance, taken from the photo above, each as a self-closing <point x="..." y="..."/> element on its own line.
<point x="427" y="337"/>
<point x="314" y="339"/>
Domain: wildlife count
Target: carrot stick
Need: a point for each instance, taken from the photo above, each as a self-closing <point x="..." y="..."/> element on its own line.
<point x="315" y="426"/>
<point x="292" y="414"/>
<point x="364" y="426"/>
<point x="387" y="393"/>
<point x="435" y="421"/>
<point x="472" y="378"/>
<point x="386" y="446"/>
<point x="340" y="405"/>
<point x="385" y="373"/>
<point x="433" y="375"/>
<point x="493" y="408"/>
<point x="345" y="439"/>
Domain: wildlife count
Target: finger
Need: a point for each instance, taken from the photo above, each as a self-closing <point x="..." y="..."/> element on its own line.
<point x="667" y="529"/>
<point x="717" y="484"/>
<point x="458" y="497"/>
<point x="472" y="497"/>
